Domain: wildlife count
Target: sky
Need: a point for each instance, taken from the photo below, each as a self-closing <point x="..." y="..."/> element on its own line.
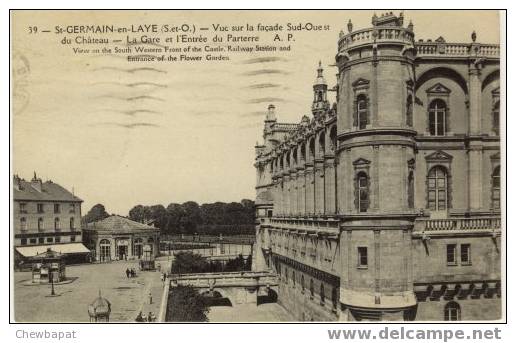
<point x="121" y="135"/>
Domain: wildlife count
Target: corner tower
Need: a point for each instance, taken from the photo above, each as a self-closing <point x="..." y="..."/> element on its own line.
<point x="320" y="103"/>
<point x="376" y="150"/>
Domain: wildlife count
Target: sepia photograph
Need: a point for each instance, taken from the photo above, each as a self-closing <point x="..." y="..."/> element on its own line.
<point x="257" y="166"/>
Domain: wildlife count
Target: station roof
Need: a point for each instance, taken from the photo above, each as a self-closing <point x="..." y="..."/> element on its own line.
<point x="119" y="224"/>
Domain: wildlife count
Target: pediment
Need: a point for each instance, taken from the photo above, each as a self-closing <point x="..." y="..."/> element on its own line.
<point x="438" y="88"/>
<point x="440" y="39"/>
<point x="361" y="162"/>
<point x="360" y="83"/>
<point x="439" y="156"/>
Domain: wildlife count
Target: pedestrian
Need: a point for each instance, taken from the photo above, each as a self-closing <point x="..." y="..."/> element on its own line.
<point x="139" y="317"/>
<point x="151" y="317"/>
<point x="127" y="272"/>
<point x="150" y="298"/>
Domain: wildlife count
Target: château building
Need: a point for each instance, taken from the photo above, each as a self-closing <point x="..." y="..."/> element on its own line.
<point x="386" y="204"/>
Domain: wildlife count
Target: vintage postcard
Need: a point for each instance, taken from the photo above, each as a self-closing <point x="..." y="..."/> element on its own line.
<point x="257" y="166"/>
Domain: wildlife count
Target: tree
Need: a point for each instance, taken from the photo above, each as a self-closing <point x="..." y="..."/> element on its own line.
<point x="185" y="304"/>
<point x="188" y="262"/>
<point x="97" y="212"/>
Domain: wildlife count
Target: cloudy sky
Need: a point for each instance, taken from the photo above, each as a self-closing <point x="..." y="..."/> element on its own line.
<point x="123" y="133"/>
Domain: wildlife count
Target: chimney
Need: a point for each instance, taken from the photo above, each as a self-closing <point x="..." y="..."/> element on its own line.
<point x="16" y="182"/>
<point x="36" y="183"/>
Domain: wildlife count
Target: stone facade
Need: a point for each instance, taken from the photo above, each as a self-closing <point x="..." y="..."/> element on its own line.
<point x="119" y="238"/>
<point x="388" y="201"/>
<point x="44" y="213"/>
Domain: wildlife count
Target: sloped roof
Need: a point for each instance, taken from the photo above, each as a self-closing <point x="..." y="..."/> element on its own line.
<point x="119" y="224"/>
<point x="50" y="191"/>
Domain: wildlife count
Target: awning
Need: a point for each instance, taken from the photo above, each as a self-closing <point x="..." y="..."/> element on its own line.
<point x="367" y="300"/>
<point x="65" y="248"/>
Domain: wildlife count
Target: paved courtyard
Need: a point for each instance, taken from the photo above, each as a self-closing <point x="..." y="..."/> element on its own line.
<point x="128" y="296"/>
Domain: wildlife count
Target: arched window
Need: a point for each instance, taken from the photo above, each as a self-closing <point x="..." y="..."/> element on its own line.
<point x="496" y="117"/>
<point x="362" y="112"/>
<point x="23" y="223"/>
<point x="323" y="297"/>
<point x="437" y="189"/>
<point x="495" y="188"/>
<point x="362" y="188"/>
<point x="72" y="223"/>
<point x="311" y="288"/>
<point x="452" y="311"/>
<point x="437" y="118"/>
<point x="105" y="250"/>
<point x="408" y="110"/>
<point x="410" y="190"/>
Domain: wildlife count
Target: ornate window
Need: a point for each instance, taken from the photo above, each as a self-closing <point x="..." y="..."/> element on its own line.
<point x="409" y="110"/>
<point x="56" y="224"/>
<point x="312" y="288"/>
<point x="72" y="223"/>
<point x="23" y="223"/>
<point x="40" y="224"/>
<point x="361" y="105"/>
<point x="293" y="279"/>
<point x="362" y="187"/>
<point x="437" y="118"/>
<point x="437" y="192"/>
<point x="495" y="188"/>
<point x="362" y="112"/>
<point x="302" y="283"/>
<point x="410" y="189"/>
<point x="323" y="296"/>
<point x="452" y="311"/>
<point x="496" y="117"/>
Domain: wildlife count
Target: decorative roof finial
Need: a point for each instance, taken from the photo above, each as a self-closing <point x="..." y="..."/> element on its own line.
<point x="375" y="17"/>
<point x="410" y="26"/>
<point x="350" y="26"/>
<point x="474" y="36"/>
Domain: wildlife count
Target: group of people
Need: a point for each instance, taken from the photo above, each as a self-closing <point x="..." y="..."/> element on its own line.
<point x="130" y="272"/>
<point x="143" y="318"/>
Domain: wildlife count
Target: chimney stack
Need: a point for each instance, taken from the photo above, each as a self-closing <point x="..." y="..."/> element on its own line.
<point x="36" y="183"/>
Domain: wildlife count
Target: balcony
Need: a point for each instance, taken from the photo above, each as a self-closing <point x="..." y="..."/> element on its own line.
<point x="433" y="49"/>
<point x="467" y="226"/>
<point x="325" y="226"/>
<point x="378" y="35"/>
